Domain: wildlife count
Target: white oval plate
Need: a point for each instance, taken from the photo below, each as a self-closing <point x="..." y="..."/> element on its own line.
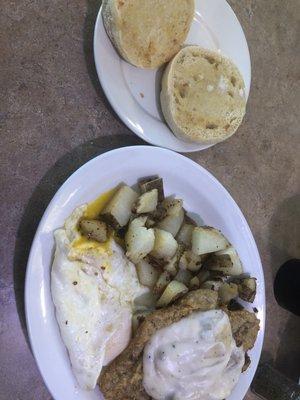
<point x="201" y="193"/>
<point x="134" y="92"/>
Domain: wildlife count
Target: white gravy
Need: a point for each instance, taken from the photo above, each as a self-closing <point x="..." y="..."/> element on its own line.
<point x="195" y="358"/>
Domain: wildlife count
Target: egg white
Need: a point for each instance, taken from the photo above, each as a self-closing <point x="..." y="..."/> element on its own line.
<point x="93" y="288"/>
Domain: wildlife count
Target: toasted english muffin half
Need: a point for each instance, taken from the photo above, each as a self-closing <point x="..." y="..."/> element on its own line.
<point x="147" y="33"/>
<point x="203" y="96"/>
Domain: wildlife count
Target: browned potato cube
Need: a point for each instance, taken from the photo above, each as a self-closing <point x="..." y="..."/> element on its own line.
<point x="228" y="292"/>
<point x="94" y="229"/>
<point x="147" y="202"/>
<point x="165" y="245"/>
<point x="118" y="211"/>
<point x="147" y="274"/>
<point x="139" y="240"/>
<point x="152" y="182"/>
<point x="228" y="262"/>
<point x="185" y="233"/>
<point x="206" y="239"/>
<point x="162" y="282"/>
<point x="247" y="289"/>
<point x="173" y="291"/>
<point x="184" y="276"/>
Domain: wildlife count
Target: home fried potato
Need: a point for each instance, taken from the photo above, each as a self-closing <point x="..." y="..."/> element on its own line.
<point x="230" y="267"/>
<point x="184" y="276"/>
<point x="118" y="211"/>
<point x="162" y="282"/>
<point x="190" y="261"/>
<point x="247" y="289"/>
<point x="172" y="292"/>
<point x="206" y="239"/>
<point x="147" y="274"/>
<point x="172" y="223"/>
<point x="228" y="292"/>
<point x="94" y="229"/>
<point x="150" y="183"/>
<point x="147" y="202"/>
<point x="185" y="234"/>
<point x="165" y="245"/>
<point x="139" y="240"/>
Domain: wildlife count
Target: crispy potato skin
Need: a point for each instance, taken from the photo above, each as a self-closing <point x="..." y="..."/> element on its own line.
<point x="150" y="183"/>
<point x="247" y="289"/>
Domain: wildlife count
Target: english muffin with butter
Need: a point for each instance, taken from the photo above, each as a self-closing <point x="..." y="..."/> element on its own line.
<point x="203" y="96"/>
<point x="147" y="33"/>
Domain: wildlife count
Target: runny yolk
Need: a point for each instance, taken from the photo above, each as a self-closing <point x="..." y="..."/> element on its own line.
<point x="92" y="212"/>
<point x="96" y="206"/>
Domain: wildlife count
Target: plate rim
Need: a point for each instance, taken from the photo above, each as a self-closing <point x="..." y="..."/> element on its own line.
<point x="86" y="165"/>
<point x="118" y="110"/>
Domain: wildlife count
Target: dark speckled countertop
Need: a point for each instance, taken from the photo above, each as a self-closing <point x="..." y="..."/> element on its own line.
<point x="54" y="117"/>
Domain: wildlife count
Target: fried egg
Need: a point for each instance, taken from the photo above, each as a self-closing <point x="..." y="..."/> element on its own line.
<point x="94" y="288"/>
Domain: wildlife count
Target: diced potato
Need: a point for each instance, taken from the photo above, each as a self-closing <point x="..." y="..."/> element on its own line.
<point x="227" y="292"/>
<point x="216" y="274"/>
<point x="145" y="302"/>
<point x="147" y="202"/>
<point x="173" y="291"/>
<point x="194" y="283"/>
<point x="94" y="229"/>
<point x="162" y="282"/>
<point x="139" y="240"/>
<point x="228" y="268"/>
<point x="157" y="263"/>
<point x="185" y="233"/>
<point x="184" y="276"/>
<point x="138" y="222"/>
<point x="218" y="262"/>
<point x="118" y="211"/>
<point x="138" y="318"/>
<point x="172" y="265"/>
<point x="152" y="182"/>
<point x="237" y="278"/>
<point x="158" y="214"/>
<point x="213" y="285"/>
<point x="190" y="261"/>
<point x="203" y="276"/>
<point x="247" y="289"/>
<point x="172" y="223"/>
<point x="147" y="274"/>
<point x="172" y="206"/>
<point x="208" y="240"/>
<point x="165" y="245"/>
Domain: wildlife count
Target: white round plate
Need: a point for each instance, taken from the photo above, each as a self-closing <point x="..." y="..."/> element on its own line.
<point x="201" y="193"/>
<point x="134" y="92"/>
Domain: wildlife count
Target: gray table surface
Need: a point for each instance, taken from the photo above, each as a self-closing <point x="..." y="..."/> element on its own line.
<point x="54" y="117"/>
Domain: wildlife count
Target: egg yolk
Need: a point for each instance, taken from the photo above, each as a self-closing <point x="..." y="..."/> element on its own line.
<point x="95" y="207"/>
<point x="92" y="211"/>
